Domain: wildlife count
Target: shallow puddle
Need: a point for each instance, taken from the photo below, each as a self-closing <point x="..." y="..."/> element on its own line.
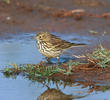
<point x="21" y="49"/>
<point x="21" y="88"/>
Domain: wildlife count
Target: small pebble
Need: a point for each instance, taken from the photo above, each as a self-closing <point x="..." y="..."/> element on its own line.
<point x="8" y="18"/>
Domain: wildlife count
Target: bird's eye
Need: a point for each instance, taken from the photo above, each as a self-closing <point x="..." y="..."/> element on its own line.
<point x="40" y="37"/>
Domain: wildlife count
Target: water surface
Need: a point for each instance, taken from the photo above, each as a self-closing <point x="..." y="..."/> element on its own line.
<point x="21" y="49"/>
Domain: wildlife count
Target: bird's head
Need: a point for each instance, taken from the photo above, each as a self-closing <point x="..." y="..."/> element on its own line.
<point x="42" y="36"/>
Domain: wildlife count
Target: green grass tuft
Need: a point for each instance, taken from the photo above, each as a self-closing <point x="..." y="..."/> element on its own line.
<point x="33" y="72"/>
<point x="101" y="56"/>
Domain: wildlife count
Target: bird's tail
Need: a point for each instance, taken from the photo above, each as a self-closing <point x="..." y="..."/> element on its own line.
<point x="78" y="44"/>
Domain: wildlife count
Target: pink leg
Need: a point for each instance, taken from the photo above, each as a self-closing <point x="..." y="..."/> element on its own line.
<point x="57" y="60"/>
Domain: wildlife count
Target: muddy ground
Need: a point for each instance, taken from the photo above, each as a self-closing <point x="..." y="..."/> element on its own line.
<point x="40" y="15"/>
<point x="57" y="16"/>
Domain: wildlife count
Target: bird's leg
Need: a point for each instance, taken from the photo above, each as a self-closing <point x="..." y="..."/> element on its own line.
<point x="57" y="60"/>
<point x="48" y="60"/>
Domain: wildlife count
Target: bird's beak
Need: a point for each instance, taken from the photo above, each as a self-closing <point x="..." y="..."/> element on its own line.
<point x="34" y="37"/>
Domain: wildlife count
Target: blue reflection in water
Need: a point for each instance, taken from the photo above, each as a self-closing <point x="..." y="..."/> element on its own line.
<point x="21" y="50"/>
<point x="23" y="89"/>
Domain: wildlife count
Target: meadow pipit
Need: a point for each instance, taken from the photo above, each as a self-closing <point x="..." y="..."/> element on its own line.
<point x="52" y="46"/>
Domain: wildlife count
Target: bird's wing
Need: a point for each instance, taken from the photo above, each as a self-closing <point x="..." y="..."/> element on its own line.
<point x="59" y="43"/>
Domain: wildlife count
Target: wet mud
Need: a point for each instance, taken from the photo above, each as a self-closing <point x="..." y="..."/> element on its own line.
<point x="55" y="16"/>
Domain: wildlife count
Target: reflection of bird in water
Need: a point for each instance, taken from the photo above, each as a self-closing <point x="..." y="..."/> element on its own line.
<point x="55" y="94"/>
<point x="52" y="46"/>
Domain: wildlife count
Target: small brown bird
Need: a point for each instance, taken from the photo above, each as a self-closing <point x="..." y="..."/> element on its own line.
<point x="54" y="94"/>
<point x="52" y="46"/>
